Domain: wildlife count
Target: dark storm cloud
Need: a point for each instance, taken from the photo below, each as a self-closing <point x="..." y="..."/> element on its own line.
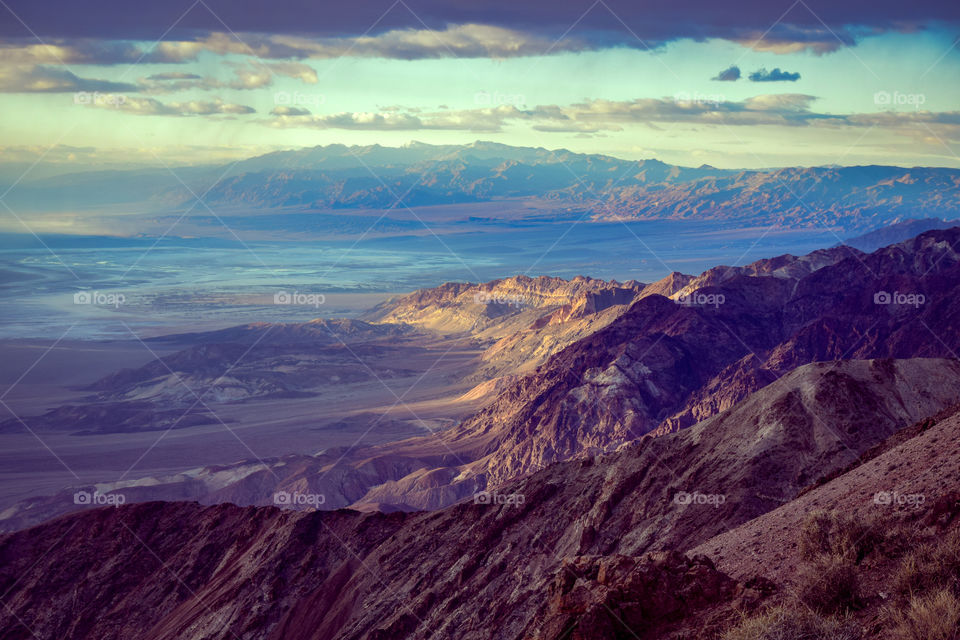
<point x="730" y="74"/>
<point x="776" y="75"/>
<point x="814" y="25"/>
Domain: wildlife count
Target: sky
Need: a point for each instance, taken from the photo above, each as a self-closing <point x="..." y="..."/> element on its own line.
<point x="737" y="84"/>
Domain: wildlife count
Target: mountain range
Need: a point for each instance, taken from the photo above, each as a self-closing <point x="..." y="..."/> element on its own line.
<point x="597" y="187"/>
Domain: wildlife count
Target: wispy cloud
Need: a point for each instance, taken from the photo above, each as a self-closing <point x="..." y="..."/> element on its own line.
<point x="152" y="107"/>
<point x="245" y="76"/>
<point x="596" y="116"/>
<point x="44" y="79"/>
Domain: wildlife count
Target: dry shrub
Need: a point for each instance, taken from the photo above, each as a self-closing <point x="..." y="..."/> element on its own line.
<point x="934" y="565"/>
<point x="829" y="584"/>
<point x="827" y="533"/>
<point x="935" y="616"/>
<point x="793" y="624"/>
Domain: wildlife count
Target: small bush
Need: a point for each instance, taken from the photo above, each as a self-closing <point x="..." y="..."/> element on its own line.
<point x="932" y="617"/>
<point x="829" y="584"/>
<point x="831" y="534"/>
<point x="790" y="624"/>
<point x="930" y="566"/>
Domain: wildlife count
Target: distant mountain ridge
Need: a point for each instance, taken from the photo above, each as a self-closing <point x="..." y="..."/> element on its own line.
<point x="338" y="177"/>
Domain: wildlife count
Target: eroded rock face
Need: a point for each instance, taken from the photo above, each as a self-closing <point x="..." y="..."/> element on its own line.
<point x="661" y="366"/>
<point x="622" y="596"/>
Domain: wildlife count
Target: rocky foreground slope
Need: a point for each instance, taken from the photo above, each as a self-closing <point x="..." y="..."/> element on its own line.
<point x="557" y="553"/>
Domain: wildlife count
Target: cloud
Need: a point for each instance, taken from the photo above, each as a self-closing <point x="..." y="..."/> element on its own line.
<point x="246" y="76"/>
<point x="817" y="26"/>
<point x="174" y="75"/>
<point x="477" y="120"/>
<point x="290" y="111"/>
<point x="67" y="51"/>
<point x="295" y="70"/>
<point x="455" y="40"/>
<point x="44" y="79"/>
<point x="818" y="39"/>
<point x="153" y="107"/>
<point x="595" y="117"/>
<point x="590" y="117"/>
<point x="730" y="74"/>
<point x="776" y="75"/>
<point x="781" y="102"/>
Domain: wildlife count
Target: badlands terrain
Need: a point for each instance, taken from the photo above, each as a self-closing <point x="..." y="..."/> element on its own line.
<point x="772" y="445"/>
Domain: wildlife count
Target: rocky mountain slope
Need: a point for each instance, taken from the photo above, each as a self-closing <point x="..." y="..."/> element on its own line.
<point x="666" y="364"/>
<point x="854" y="198"/>
<point x="902" y="481"/>
<point x="557" y="553"/>
<point x="657" y="366"/>
<point x="897" y="232"/>
<point x="521" y="320"/>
